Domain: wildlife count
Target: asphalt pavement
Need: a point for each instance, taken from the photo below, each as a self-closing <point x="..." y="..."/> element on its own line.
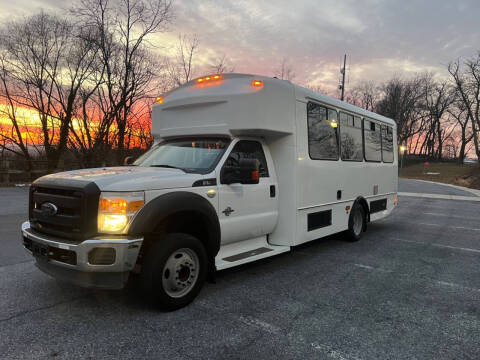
<point x="410" y="289"/>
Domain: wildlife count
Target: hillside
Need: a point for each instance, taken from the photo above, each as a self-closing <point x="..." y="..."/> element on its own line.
<point x="467" y="175"/>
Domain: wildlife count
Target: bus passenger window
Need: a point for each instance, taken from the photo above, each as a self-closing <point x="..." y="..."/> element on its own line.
<point x="351" y="137"/>
<point x="387" y="144"/>
<point x="322" y="132"/>
<point x="373" y="141"/>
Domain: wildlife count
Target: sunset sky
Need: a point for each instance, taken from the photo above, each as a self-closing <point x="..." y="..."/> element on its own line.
<point x="381" y="37"/>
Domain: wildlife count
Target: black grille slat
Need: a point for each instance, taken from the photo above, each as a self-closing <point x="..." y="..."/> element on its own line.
<point x="57" y="191"/>
<point x="65" y="220"/>
<point x="76" y="216"/>
<point x="61" y="201"/>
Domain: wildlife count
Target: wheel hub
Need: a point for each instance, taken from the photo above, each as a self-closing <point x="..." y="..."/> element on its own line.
<point x="180" y="272"/>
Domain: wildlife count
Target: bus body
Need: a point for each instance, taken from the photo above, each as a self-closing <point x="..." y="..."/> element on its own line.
<point x="243" y="167"/>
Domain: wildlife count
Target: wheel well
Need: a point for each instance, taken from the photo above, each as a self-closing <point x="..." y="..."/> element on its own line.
<point x="364" y="204"/>
<point x="187" y="222"/>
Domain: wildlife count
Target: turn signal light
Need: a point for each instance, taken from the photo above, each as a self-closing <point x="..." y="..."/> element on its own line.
<point x="113" y="205"/>
<point x="257" y="83"/>
<point x="119" y="206"/>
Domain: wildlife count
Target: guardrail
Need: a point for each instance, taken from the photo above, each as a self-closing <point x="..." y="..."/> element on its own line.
<point x="13" y="170"/>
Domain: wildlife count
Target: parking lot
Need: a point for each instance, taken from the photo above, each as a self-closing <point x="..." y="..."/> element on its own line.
<point x="410" y="289"/>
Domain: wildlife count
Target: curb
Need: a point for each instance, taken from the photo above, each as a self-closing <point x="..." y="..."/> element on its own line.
<point x="472" y="191"/>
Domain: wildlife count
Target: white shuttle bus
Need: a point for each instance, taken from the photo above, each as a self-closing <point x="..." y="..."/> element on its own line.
<point x="243" y="167"/>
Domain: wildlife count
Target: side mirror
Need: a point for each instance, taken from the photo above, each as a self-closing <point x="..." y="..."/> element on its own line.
<point x="245" y="173"/>
<point x="128" y="160"/>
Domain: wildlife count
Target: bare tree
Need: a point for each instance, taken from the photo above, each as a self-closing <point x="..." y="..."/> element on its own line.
<point x="438" y="98"/>
<point x="365" y="95"/>
<point x="466" y="77"/>
<point x="47" y="61"/>
<point x="319" y="89"/>
<point x="400" y="101"/>
<point x="285" y="71"/>
<point x="11" y="136"/>
<point x="459" y="113"/>
<point x="181" y="67"/>
<point x="221" y="66"/>
<point x="123" y="29"/>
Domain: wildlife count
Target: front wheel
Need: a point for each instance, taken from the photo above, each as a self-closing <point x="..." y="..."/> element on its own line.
<point x="356" y="223"/>
<point x="174" y="270"/>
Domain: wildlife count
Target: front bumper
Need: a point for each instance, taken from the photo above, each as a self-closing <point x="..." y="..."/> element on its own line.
<point x="76" y="262"/>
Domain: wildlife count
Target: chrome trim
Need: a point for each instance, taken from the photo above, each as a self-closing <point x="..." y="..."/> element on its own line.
<point x="126" y="250"/>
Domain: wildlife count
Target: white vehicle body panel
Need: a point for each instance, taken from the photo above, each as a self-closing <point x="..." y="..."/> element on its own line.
<point x="255" y="212"/>
<point x="276" y="115"/>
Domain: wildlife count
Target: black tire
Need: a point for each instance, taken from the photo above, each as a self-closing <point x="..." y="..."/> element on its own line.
<point x="159" y="279"/>
<point x="355" y="229"/>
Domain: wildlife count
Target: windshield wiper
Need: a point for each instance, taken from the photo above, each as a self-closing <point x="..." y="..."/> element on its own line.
<point x="168" y="166"/>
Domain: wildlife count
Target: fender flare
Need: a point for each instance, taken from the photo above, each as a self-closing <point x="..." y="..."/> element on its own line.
<point x="158" y="209"/>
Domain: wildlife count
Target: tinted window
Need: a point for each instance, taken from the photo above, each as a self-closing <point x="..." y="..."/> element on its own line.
<point x="322" y="132"/>
<point x="387" y="143"/>
<point x="373" y="141"/>
<point x="248" y="149"/>
<point x="351" y="137"/>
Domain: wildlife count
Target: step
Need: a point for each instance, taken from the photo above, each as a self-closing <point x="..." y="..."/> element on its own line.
<point x="246" y="251"/>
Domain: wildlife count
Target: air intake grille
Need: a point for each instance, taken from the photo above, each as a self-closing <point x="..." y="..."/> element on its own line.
<point x="64" y="212"/>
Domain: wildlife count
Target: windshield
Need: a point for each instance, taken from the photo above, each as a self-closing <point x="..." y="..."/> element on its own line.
<point x="190" y="155"/>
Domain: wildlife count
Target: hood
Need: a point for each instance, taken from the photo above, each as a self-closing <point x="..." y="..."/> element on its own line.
<point x="127" y="178"/>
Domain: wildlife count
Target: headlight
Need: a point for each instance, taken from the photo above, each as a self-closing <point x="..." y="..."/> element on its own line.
<point x="116" y="210"/>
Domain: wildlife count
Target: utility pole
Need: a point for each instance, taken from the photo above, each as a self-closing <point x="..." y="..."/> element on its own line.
<point x="343" y="71"/>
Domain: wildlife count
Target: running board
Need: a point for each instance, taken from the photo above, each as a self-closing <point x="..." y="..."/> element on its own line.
<point x="246" y="251"/>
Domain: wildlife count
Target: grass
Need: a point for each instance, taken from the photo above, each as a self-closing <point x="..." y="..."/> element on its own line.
<point x="467" y="175"/>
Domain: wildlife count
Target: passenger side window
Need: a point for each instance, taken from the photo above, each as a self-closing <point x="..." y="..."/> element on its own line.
<point x="387" y="143"/>
<point x="351" y="137"/>
<point x="248" y="149"/>
<point x="373" y="141"/>
<point x="322" y="132"/>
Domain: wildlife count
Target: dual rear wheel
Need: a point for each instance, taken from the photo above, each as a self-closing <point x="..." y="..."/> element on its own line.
<point x="356" y="222"/>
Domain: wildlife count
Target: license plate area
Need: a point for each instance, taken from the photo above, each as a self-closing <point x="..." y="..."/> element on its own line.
<point x="39" y="250"/>
<point x="45" y="252"/>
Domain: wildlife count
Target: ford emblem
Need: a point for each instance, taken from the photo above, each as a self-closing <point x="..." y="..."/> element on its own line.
<point x="48" y="209"/>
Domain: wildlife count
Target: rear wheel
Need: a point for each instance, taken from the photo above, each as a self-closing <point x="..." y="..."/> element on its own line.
<point x="174" y="271"/>
<point x="356" y="223"/>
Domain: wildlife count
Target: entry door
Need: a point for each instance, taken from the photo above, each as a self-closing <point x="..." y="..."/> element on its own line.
<point x="247" y="211"/>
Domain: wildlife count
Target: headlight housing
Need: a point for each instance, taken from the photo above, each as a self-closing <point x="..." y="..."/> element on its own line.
<point x="117" y="209"/>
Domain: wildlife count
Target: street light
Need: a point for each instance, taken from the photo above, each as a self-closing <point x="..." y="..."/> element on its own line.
<point x="402" y="152"/>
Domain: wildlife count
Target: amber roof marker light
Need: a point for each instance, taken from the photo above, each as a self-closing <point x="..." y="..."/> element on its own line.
<point x="209" y="78"/>
<point x="159" y="100"/>
<point x="257" y="83"/>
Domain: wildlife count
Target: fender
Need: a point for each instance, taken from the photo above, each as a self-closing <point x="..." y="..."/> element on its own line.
<point x="165" y="205"/>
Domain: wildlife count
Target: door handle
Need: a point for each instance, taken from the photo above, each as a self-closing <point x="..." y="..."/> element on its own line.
<point x="272" y="191"/>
